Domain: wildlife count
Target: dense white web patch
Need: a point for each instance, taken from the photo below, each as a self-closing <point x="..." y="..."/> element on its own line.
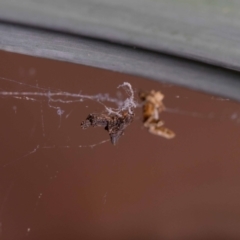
<point x="128" y="104"/>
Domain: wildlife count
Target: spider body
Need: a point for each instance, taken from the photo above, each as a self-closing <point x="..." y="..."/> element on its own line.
<point x="152" y="107"/>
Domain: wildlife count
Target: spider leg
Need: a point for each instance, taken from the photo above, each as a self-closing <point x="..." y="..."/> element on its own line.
<point x="162" y="131"/>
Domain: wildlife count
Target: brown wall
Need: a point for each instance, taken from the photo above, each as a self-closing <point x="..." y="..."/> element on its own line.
<point x="56" y="182"/>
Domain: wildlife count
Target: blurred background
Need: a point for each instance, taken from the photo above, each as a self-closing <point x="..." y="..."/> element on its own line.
<point x="58" y="58"/>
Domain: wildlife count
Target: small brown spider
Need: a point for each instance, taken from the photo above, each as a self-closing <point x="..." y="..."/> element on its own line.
<point x="152" y="107"/>
<point x="113" y="123"/>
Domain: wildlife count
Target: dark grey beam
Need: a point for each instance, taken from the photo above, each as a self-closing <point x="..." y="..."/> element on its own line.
<point x="164" y="68"/>
<point x="207" y="30"/>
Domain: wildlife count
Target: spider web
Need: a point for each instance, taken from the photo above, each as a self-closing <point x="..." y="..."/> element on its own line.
<point x="56" y="100"/>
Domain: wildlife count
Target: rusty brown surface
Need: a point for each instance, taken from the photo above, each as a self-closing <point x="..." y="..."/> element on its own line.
<point x="145" y="187"/>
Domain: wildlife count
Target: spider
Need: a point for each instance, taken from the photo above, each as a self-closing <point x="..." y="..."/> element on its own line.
<point x="152" y="107"/>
